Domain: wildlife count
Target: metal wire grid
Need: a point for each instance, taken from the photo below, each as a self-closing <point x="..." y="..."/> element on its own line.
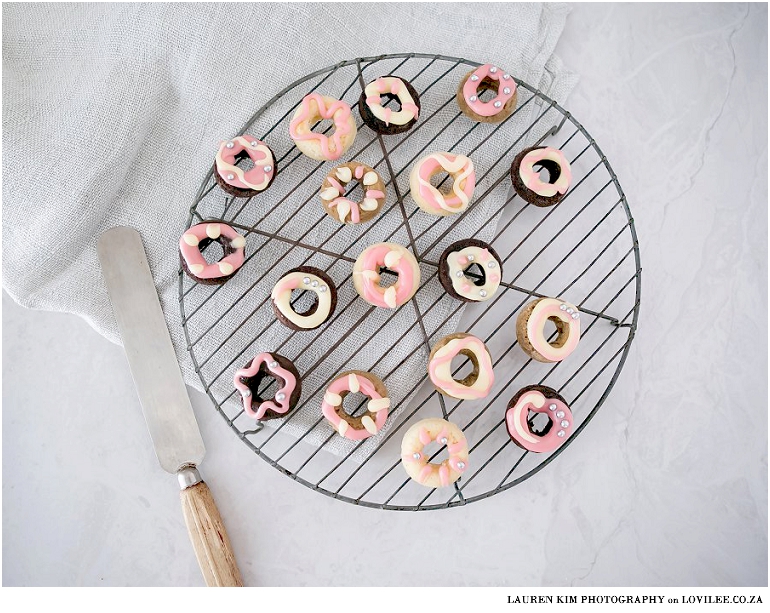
<point x="579" y="249"/>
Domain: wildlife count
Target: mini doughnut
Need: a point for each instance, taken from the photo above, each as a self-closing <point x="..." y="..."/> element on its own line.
<point x="356" y="428"/>
<point x="304" y="278"/>
<point x="415" y="461"/>
<point x="434" y="201"/>
<point x="235" y="180"/>
<point x="538" y="399"/>
<point x="383" y="119"/>
<point x="314" y="108"/>
<point x="525" y="175"/>
<point x="478" y="383"/>
<point x="248" y="379"/>
<point x="200" y="236"/>
<point x="530" y="329"/>
<point x="479" y="80"/>
<point x="470" y="255"/>
<point x="339" y="207"/>
<point x="369" y="265"/>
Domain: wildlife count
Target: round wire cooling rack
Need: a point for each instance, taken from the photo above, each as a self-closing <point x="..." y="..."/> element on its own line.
<point x="584" y="249"/>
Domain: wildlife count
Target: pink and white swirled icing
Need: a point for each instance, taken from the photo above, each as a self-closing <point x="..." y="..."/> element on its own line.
<point x="415" y="460"/>
<point x="281" y="402"/>
<point x="316" y="105"/>
<point x="334" y="194"/>
<point x="196" y="263"/>
<point x="459" y="261"/>
<point x="391" y="85"/>
<point x="258" y="177"/>
<point x="545" y="309"/>
<point x="463" y="175"/>
<point x="506" y="89"/>
<point x="440" y="368"/>
<point x="531" y="177"/>
<point x="377" y="405"/>
<point x="393" y="257"/>
<point x="281" y="296"/>
<point x="558" y="412"/>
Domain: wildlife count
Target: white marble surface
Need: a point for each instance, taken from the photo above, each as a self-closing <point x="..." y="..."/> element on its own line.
<point x="668" y="484"/>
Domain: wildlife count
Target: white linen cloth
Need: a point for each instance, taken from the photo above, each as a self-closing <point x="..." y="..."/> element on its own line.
<point x="113" y="113"/>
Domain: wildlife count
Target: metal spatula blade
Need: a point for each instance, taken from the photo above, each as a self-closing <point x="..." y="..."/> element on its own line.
<point x="163" y="396"/>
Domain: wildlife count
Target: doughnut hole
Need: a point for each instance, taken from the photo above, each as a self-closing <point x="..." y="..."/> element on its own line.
<point x="387" y="277"/>
<point x="304" y="302"/>
<point x="487" y="89"/>
<point x="476" y="274"/>
<point x="539" y="423"/>
<point x="353" y="408"/>
<point x="325" y="126"/>
<point x="213" y="250"/>
<point x="390" y="101"/>
<point x="438" y="180"/>
<point x="557" y="334"/>
<point x="435" y="452"/>
<point x="468" y="371"/>
<point x="244" y="162"/>
<point x="549" y="171"/>
<point x="354" y="191"/>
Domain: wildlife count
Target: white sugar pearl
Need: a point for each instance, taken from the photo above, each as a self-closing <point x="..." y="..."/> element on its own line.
<point x="314" y="283"/>
<point x="459" y="274"/>
<point x="443" y="440"/>
<point x="267" y="168"/>
<point x="246" y="393"/>
<point x="559" y="414"/>
<point x="506" y="76"/>
<point x="306" y="280"/>
<point x="493" y="69"/>
<point x="575" y="315"/>
<point x="561" y="434"/>
<point x="483" y="293"/>
<point x="507" y="90"/>
<point x="474" y="77"/>
<point x="273" y="364"/>
<point x="230" y="145"/>
<point x="565" y="424"/>
<point x="230" y="177"/>
<point x="570" y="311"/>
<point x="552" y="407"/>
<point x="254" y="143"/>
<point x="461" y="465"/>
<point x="563" y="307"/>
<point x="322" y="288"/>
<point x="498" y="104"/>
<point x="471" y="257"/>
<point x="280" y="396"/>
<point x="416" y="455"/>
<point x="491" y="264"/>
<point x="473" y="98"/>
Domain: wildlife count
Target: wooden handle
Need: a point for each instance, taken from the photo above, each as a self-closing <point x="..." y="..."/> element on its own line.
<point x="209" y="537"/>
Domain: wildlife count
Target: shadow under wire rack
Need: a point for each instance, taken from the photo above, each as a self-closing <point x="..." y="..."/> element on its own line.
<point x="584" y="249"/>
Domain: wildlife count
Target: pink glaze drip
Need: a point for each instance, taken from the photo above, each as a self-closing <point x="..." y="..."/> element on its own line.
<point x="355" y="212"/>
<point x="340" y="384"/>
<point x="339" y="112"/>
<point x="424" y="436"/>
<point x="290" y="383"/>
<point x="488" y="109"/>
<point x="193" y="257"/>
<point x="374" y="259"/>
<point x="374" y="193"/>
<point x="531" y="178"/>
<point x="454" y="201"/>
<point x="359" y="172"/>
<point x="517" y="416"/>
<point x="336" y="184"/>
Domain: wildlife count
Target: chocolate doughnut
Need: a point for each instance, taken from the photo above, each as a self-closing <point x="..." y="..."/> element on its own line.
<point x="383" y="119"/>
<point x="248" y="379"/>
<point x="200" y="236"/>
<point x="470" y="255"/>
<point x="526" y="180"/>
<point x="306" y="278"/>
<point x="244" y="183"/>
<point x="538" y="399"/>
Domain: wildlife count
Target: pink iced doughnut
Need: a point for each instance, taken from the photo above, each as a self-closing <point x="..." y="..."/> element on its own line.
<point x="366" y="275"/>
<point x="432" y="200"/>
<point x="501" y="105"/>
<point x="257" y="178"/>
<point x="415" y="460"/>
<point x="193" y="261"/>
<point x="538" y="399"/>
<point x="356" y="428"/>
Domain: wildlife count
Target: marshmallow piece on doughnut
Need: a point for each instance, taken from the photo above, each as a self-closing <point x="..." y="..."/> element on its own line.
<point x="368" y="423"/>
<point x="370" y="178"/>
<point x="369" y="204"/>
<point x="238" y="242"/>
<point x="392" y="258"/>
<point x="333" y="399"/>
<point x="390" y="297"/>
<point x="330" y="193"/>
<point x="226" y="268"/>
<point x="342" y="427"/>
<point x="353" y="383"/>
<point x="191" y="239"/>
<point x="196" y="268"/>
<point x="378" y="404"/>
<point x="213" y="230"/>
<point x="344" y="174"/>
